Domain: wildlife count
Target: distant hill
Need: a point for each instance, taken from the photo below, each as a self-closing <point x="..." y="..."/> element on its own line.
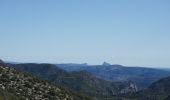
<point x="143" y="77"/>
<point x="80" y="81"/>
<point x="16" y="85"/>
<point x="162" y="86"/>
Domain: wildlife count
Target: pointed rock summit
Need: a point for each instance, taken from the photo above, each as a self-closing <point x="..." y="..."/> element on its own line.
<point x="106" y="64"/>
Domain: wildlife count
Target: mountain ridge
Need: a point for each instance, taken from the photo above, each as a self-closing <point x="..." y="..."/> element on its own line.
<point x="80" y="81"/>
<point x="141" y="75"/>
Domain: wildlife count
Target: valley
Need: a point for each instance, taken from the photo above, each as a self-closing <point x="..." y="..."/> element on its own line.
<point x="102" y="82"/>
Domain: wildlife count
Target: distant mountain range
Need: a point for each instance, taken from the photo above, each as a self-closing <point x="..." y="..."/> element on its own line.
<point x="80" y="81"/>
<point x="142" y="76"/>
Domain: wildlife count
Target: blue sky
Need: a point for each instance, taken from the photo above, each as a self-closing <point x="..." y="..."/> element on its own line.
<point x="128" y="32"/>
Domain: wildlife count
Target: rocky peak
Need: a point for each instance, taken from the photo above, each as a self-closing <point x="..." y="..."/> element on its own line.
<point x="106" y="64"/>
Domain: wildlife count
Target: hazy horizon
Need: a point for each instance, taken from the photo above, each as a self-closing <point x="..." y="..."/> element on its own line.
<point x="126" y="32"/>
<point x="91" y="64"/>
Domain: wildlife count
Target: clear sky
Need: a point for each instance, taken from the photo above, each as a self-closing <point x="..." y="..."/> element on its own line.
<point x="128" y="32"/>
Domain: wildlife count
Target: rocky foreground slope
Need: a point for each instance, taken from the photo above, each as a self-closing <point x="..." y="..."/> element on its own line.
<point x="21" y="86"/>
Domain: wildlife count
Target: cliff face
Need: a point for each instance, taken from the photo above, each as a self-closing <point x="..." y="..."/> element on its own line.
<point x="131" y="88"/>
<point x="28" y="87"/>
